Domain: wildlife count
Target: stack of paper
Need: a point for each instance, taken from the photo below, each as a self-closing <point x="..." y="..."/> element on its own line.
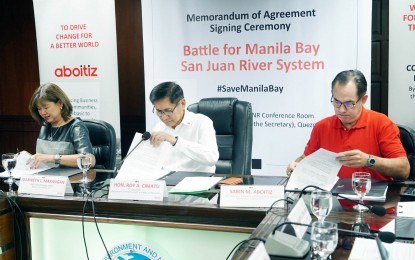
<point x="195" y="185"/>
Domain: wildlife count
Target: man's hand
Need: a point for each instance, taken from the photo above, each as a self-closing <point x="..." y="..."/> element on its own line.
<point x="353" y="158"/>
<point x="291" y="167"/>
<point x="158" y="137"/>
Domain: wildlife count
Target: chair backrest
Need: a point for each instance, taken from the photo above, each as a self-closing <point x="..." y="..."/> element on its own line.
<point x="103" y="139"/>
<point x="233" y="123"/>
<point x="408" y="142"/>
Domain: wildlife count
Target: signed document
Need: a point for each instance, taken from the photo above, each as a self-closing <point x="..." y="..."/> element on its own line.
<point x="319" y="168"/>
<point x="144" y="163"/>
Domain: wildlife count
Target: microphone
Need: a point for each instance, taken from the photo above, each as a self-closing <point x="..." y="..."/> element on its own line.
<point x="375" y="209"/>
<point x="384" y="236"/>
<point x="282" y="244"/>
<point x="145" y="136"/>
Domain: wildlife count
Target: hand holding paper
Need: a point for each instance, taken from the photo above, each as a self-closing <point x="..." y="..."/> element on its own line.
<point x="319" y="168"/>
<point x="22" y="166"/>
<point x="144" y="163"/>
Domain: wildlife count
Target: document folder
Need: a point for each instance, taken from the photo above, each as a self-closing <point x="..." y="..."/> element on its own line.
<point x="377" y="191"/>
<point x="173" y="178"/>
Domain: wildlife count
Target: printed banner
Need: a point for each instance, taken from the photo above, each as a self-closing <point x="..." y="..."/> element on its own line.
<point x="77" y="50"/>
<point x="402" y="62"/>
<point x="279" y="55"/>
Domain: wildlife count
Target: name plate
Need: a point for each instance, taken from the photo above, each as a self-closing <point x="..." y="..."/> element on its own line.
<point x="45" y="185"/>
<point x="250" y="195"/>
<point x="299" y="213"/>
<point x="260" y="253"/>
<point x="137" y="189"/>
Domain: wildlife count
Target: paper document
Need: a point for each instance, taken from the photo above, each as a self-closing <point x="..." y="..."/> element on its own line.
<point x="144" y="163"/>
<point x="194" y="185"/>
<point x="406" y="209"/>
<point x="319" y="168"/>
<point x="23" y="168"/>
<point x="364" y="249"/>
<point x="405" y="219"/>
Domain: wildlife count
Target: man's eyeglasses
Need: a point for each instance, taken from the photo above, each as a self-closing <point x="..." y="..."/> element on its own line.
<point x="165" y="112"/>
<point x="348" y="104"/>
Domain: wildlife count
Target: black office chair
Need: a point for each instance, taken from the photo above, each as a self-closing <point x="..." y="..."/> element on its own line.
<point x="408" y="142"/>
<point x="232" y="120"/>
<point x="103" y="139"/>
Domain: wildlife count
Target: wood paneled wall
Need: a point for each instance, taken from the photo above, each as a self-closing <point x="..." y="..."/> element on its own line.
<point x="19" y="71"/>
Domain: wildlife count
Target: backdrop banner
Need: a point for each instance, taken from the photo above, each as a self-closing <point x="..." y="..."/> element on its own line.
<point x="77" y="48"/>
<point x="402" y="62"/>
<point x="280" y="55"/>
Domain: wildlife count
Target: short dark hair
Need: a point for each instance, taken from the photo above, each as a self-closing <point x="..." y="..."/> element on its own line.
<point x="167" y="89"/>
<point x="49" y="92"/>
<point x="346" y="76"/>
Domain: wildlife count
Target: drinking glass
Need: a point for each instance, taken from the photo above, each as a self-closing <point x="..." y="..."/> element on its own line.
<point x="321" y="203"/>
<point x="324" y="238"/>
<point x="84" y="163"/>
<point x="361" y="183"/>
<point x="8" y="160"/>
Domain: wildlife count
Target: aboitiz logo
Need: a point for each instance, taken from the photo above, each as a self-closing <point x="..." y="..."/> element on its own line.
<point x="81" y="71"/>
<point x="132" y="251"/>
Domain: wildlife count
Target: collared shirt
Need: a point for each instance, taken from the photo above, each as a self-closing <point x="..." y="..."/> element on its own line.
<point x="374" y="133"/>
<point x="196" y="148"/>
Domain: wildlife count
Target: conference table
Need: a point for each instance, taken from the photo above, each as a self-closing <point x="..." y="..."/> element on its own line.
<point x="345" y="217"/>
<point x="179" y="227"/>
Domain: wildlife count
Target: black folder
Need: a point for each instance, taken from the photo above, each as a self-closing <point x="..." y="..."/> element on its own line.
<point x="61" y="171"/>
<point x="377" y="191"/>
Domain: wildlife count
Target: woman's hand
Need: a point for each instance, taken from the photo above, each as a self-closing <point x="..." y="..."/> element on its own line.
<point x="38" y="159"/>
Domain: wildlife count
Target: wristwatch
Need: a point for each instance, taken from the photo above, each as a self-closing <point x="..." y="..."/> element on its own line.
<point x="57" y="159"/>
<point x="177" y="138"/>
<point x="370" y="161"/>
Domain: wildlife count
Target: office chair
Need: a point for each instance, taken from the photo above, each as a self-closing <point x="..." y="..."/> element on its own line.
<point x="103" y="139"/>
<point x="408" y="142"/>
<point x="233" y="123"/>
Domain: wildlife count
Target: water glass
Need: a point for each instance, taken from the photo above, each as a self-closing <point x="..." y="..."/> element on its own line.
<point x="321" y="203"/>
<point x="8" y="160"/>
<point x="84" y="163"/>
<point x="361" y="183"/>
<point x="324" y="238"/>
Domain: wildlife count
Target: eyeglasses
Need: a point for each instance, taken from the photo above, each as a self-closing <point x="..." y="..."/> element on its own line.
<point x="348" y="104"/>
<point x="165" y="112"/>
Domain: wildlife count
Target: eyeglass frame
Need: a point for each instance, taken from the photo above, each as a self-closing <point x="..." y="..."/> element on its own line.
<point x="163" y="112"/>
<point x="353" y="103"/>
